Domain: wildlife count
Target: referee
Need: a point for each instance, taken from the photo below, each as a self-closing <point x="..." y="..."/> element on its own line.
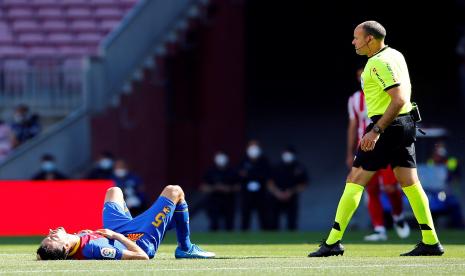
<point x="388" y="140"/>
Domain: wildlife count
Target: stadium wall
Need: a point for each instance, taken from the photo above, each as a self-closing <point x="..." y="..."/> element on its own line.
<point x="189" y="106"/>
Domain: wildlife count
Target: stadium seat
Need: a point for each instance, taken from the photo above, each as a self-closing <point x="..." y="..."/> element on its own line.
<point x="46" y="3"/>
<point x="25" y="26"/>
<point x="50" y="13"/>
<point x="55" y="26"/>
<point x="83" y="26"/>
<point x="104" y="3"/>
<point x="79" y="13"/>
<point x="77" y="51"/>
<point x="12" y="51"/>
<point x="60" y="38"/>
<point x="20" y="13"/>
<point x="108" y="13"/>
<point x="75" y="3"/>
<point x="42" y="52"/>
<point x="88" y="38"/>
<point x="108" y="25"/>
<point x="128" y="3"/>
<point x="31" y="39"/>
<point x="6" y="38"/>
<point x="16" y="4"/>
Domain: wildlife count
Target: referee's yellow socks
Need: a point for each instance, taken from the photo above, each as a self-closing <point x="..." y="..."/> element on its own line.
<point x="420" y="206"/>
<point x="347" y="205"/>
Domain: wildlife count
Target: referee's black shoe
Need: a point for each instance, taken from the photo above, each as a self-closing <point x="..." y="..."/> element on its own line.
<point x="327" y="250"/>
<point x="422" y="249"/>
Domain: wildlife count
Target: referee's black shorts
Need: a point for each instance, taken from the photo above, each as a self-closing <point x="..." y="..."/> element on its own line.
<point x="396" y="146"/>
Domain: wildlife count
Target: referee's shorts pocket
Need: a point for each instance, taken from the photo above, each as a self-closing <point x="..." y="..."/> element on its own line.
<point x="410" y="132"/>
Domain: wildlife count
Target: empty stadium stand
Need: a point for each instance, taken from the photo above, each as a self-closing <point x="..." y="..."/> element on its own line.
<point x="59" y="32"/>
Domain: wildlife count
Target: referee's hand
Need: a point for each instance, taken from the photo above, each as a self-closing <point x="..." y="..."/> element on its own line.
<point x="369" y="140"/>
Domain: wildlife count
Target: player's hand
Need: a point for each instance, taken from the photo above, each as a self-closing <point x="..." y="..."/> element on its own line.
<point x="369" y="140"/>
<point x="107" y="233"/>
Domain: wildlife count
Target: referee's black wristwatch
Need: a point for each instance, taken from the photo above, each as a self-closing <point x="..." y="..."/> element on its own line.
<point x="377" y="129"/>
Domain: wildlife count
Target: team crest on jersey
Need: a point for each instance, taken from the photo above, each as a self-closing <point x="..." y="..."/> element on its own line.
<point x="134" y="237"/>
<point x="108" y="252"/>
<point x="166" y="209"/>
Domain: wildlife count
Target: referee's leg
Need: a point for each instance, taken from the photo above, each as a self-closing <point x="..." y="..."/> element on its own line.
<point x="350" y="199"/>
<point x="410" y="183"/>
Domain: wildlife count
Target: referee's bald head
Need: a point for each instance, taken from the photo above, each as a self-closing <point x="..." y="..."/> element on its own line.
<point x="374" y="29"/>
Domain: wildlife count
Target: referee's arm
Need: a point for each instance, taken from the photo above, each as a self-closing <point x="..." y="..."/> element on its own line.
<point x="398" y="100"/>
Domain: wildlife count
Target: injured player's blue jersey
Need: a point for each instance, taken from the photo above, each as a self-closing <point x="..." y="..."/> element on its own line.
<point x="93" y="246"/>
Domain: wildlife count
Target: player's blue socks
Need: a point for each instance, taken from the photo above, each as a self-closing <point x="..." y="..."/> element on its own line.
<point x="181" y="218"/>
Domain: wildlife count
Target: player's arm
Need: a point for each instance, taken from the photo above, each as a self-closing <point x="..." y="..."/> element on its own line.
<point x="133" y="252"/>
<point x="273" y="189"/>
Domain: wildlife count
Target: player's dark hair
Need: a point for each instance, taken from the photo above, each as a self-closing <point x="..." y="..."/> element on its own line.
<point x="375" y="29"/>
<point x="47" y="253"/>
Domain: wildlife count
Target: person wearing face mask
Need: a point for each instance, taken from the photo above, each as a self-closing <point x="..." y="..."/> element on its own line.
<point x="103" y="168"/>
<point x="131" y="185"/>
<point x="48" y="169"/>
<point x="289" y="179"/>
<point x="442" y="184"/>
<point x="7" y="140"/>
<point x="220" y="184"/>
<point x="25" y="125"/>
<point x="254" y="173"/>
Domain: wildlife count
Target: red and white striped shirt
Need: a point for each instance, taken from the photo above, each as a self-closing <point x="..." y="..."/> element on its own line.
<point x="357" y="110"/>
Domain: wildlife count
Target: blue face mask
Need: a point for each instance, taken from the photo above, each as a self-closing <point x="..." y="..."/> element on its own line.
<point x="106" y="163"/>
<point x="48" y="166"/>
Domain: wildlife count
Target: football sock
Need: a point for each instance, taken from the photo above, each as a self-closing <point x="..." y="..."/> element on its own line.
<point x="420" y="206"/>
<point x="347" y="205"/>
<point x="181" y="219"/>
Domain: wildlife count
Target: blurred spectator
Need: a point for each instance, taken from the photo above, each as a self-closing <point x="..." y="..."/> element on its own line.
<point x="437" y="177"/>
<point x="254" y="173"/>
<point x="7" y="140"/>
<point x="25" y="125"/>
<point x="220" y="185"/>
<point x="48" y="169"/>
<point x="103" y="168"/>
<point x="131" y="184"/>
<point x="289" y="179"/>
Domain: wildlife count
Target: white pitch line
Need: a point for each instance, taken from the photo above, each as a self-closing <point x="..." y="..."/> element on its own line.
<point x="232" y="268"/>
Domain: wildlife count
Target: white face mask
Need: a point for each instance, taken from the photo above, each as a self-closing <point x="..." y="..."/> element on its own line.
<point x="254" y="151"/>
<point x="105" y="163"/>
<point x="288" y="157"/>
<point x="120" y="173"/>
<point x="48" y="166"/>
<point x="441" y="151"/>
<point x="221" y="160"/>
<point x="18" y="118"/>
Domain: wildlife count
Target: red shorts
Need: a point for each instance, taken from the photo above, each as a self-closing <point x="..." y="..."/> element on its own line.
<point x="384" y="177"/>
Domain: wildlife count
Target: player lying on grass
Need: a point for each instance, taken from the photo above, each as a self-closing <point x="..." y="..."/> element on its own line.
<point x="127" y="238"/>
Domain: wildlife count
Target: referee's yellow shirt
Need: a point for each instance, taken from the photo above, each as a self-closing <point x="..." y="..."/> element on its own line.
<point x="383" y="71"/>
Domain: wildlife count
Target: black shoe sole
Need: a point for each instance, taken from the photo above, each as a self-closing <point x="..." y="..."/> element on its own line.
<point x="332" y="254"/>
<point x="419" y="255"/>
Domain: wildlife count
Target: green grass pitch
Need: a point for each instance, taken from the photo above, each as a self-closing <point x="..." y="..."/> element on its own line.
<point x="254" y="253"/>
